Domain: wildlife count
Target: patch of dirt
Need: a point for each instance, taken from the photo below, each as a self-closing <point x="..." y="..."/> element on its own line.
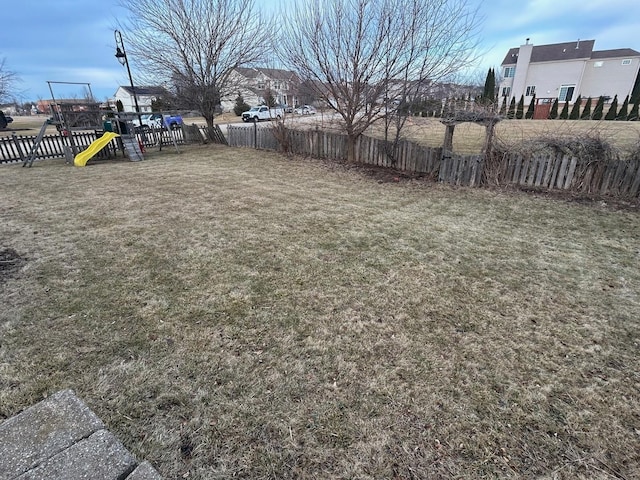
<point x="601" y="201"/>
<point x="10" y="264"/>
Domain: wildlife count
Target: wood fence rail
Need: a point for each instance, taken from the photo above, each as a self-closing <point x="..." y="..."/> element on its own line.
<point x="550" y="169"/>
<point x="15" y="148"/>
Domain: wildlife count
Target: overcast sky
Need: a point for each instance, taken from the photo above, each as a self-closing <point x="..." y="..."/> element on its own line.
<point x="73" y="41"/>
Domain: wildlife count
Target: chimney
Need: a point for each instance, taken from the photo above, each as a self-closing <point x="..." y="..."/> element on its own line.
<point x="527" y="42"/>
<point x="578" y="45"/>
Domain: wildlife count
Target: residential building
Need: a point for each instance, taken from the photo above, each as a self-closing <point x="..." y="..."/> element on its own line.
<point x="253" y="83"/>
<point x="565" y="70"/>
<point x="146" y="95"/>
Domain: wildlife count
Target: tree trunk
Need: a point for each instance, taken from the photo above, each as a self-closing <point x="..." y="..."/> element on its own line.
<point x="351" y="148"/>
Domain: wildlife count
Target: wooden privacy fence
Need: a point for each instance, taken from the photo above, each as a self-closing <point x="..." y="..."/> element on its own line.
<point x="547" y="169"/>
<point x="558" y="170"/>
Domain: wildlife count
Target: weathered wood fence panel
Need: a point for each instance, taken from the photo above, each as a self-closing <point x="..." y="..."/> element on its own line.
<point x="544" y="170"/>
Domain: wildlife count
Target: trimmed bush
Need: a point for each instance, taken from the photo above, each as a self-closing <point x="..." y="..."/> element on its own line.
<point x="633" y="114"/>
<point x="613" y="109"/>
<point x="623" y="114"/>
<point x="575" y="111"/>
<point x="553" y="113"/>
<point x="586" y="111"/>
<point x="240" y="106"/>
<point x="520" y="108"/>
<point x="564" y="113"/>
<point x="511" y="113"/>
<point x="597" y="111"/>
<point x="532" y="108"/>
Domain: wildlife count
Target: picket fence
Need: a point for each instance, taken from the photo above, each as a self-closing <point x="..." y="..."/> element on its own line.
<point x="548" y="169"/>
<point x="16" y="148"/>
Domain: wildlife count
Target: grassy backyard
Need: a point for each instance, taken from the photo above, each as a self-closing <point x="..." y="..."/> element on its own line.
<point x="234" y="313"/>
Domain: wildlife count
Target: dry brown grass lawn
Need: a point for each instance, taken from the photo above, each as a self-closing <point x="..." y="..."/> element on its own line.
<point x="233" y="313"/>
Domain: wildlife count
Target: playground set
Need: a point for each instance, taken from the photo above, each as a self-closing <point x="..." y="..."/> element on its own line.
<point x="108" y="126"/>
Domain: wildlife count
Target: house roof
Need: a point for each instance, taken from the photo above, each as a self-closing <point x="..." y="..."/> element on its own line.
<point x="615" y="53"/>
<point x="272" y="73"/>
<point x="247" y="72"/>
<point x="145" y="90"/>
<point x="555" y="52"/>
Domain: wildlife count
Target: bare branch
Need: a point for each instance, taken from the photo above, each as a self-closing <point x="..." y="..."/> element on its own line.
<point x="194" y="45"/>
<point x="8" y="80"/>
<point x="358" y="54"/>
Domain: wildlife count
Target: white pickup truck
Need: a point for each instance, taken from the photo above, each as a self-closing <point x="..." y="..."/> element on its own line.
<point x="262" y="112"/>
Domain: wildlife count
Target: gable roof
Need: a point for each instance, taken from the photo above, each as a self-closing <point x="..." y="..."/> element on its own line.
<point x="615" y="53"/>
<point x="272" y="73"/>
<point x="149" y="91"/>
<point x="554" y="52"/>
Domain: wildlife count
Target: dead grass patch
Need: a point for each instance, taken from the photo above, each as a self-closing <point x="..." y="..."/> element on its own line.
<point x="469" y="137"/>
<point x="233" y="313"/>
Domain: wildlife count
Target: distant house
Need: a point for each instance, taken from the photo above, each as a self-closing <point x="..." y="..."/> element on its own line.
<point x="66" y="104"/>
<point x="145" y="95"/>
<point x="565" y="70"/>
<point x="253" y="83"/>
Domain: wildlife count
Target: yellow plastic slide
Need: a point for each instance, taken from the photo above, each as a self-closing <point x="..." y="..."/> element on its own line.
<point x="83" y="157"/>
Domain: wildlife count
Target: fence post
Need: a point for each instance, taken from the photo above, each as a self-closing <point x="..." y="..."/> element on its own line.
<point x="255" y="134"/>
<point x="18" y="146"/>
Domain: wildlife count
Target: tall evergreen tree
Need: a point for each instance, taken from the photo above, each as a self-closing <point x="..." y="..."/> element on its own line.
<point x="575" y="111"/>
<point x="564" y="113"/>
<point x="269" y="99"/>
<point x="503" y="106"/>
<point x="532" y="108"/>
<point x="240" y="106"/>
<point x="489" y="88"/>
<point x="598" y="109"/>
<point x="512" y="108"/>
<point x="586" y="111"/>
<point x="520" y="108"/>
<point x="634" y="113"/>
<point x="635" y="92"/>
<point x="624" y="110"/>
<point x="553" y="113"/>
<point x="613" y="109"/>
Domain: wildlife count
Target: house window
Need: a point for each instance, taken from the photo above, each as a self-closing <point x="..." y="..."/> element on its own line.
<point x="509" y="72"/>
<point x="626" y="61"/>
<point x="566" y="93"/>
<point x="531" y="90"/>
<point x="261" y="85"/>
<point x="598" y="64"/>
<point x="506" y="91"/>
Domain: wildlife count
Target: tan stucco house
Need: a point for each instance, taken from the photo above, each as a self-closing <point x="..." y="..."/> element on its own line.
<point x="566" y="70"/>
<point x="252" y="84"/>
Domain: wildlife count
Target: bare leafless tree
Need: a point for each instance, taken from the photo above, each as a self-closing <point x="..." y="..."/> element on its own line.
<point x="361" y="55"/>
<point x="194" y="46"/>
<point x="8" y="80"/>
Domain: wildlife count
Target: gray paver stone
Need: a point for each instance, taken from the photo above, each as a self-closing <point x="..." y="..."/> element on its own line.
<point x="144" y="472"/>
<point x="42" y="431"/>
<point x="101" y="456"/>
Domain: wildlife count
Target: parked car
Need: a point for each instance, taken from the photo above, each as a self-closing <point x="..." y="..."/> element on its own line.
<point x="4" y="120"/>
<point x="285" y="108"/>
<point x="305" y="110"/>
<point x="156" y="120"/>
